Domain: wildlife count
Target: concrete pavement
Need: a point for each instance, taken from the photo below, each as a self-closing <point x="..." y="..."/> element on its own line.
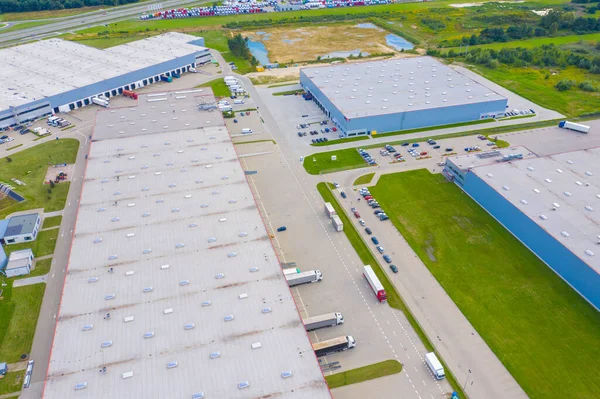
<point x="30" y="281"/>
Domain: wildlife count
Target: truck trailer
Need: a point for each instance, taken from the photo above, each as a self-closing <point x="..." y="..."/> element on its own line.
<point x="337" y="223"/>
<point x="574" y="126"/>
<point x="287" y="272"/>
<point x="101" y="102"/>
<point x="322" y="321"/>
<point x="374" y="283"/>
<point x="165" y="78"/>
<point x="338" y="344"/>
<point x="311" y="276"/>
<point x="329" y="210"/>
<point x="130" y="94"/>
<point x="434" y="365"/>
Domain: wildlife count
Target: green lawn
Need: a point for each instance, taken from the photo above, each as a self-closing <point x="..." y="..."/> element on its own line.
<point x="23" y="25"/>
<point x="538" y="42"/>
<point x="12" y="382"/>
<point x="29" y="166"/>
<point x="393" y="298"/>
<point x="52" y="221"/>
<point x="340" y="141"/>
<point x="289" y="92"/>
<point x="364" y="179"/>
<point x="218" y="87"/>
<point x="41" y="267"/>
<point x="18" y="318"/>
<point x="370" y="372"/>
<point x="322" y="163"/>
<point x="43" y="245"/>
<point x="545" y="334"/>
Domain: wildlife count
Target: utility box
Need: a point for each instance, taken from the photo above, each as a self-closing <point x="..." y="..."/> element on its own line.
<point x="337" y="223"/>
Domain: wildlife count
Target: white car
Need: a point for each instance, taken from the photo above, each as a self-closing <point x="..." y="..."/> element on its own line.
<point x="362" y="222"/>
<point x="336" y="185"/>
<point x="9" y="139"/>
<point x="380" y="249"/>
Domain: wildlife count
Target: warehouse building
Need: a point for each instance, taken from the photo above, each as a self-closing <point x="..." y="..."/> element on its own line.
<point x="549" y="203"/>
<point x="399" y="94"/>
<point x="21" y="228"/>
<point x="19" y="263"/>
<point x="55" y="75"/>
<point x="173" y="289"/>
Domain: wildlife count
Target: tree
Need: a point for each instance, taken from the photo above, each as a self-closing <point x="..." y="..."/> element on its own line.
<point x="553" y="29"/>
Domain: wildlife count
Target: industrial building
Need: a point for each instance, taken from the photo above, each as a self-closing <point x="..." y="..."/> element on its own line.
<point x="399" y="94"/>
<point x="55" y="75"/>
<point x="549" y="203"/>
<point x="19" y="263"/>
<point x="21" y="228"/>
<point x="173" y="289"/>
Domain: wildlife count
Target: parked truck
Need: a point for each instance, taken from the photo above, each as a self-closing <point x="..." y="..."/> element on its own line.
<point x="338" y="344"/>
<point x="166" y="78"/>
<point x="322" y="321"/>
<point x="102" y="102"/>
<point x="175" y="75"/>
<point x="329" y="210"/>
<point x="337" y="223"/>
<point x="374" y="283"/>
<point x="574" y="126"/>
<point x="287" y="272"/>
<point x="434" y="365"/>
<point x="130" y="94"/>
<point x="311" y="276"/>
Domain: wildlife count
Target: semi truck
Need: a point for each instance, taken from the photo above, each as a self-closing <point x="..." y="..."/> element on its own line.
<point x="287" y="272"/>
<point x="329" y="210"/>
<point x="175" y="75"/>
<point x="374" y="283"/>
<point x="130" y="94"/>
<point x="337" y="223"/>
<point x="322" y="321"/>
<point x="574" y="126"/>
<point x="101" y="102"/>
<point x="165" y="78"/>
<point x="434" y="365"/>
<point x="338" y="344"/>
<point x="311" y="276"/>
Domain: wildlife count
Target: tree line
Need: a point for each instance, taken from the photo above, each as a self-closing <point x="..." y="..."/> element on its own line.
<point x="238" y="46"/>
<point x="42" y="5"/>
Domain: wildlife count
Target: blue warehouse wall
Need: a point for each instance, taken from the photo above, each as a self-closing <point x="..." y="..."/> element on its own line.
<point x="572" y="269"/>
<point x="336" y="115"/>
<point x="429" y="117"/>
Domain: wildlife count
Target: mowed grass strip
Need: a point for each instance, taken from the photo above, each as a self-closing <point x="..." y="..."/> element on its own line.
<point x="12" y="382"/>
<point x="370" y="372"/>
<point x="43" y="245"/>
<point x="218" y="87"/>
<point x="18" y="318"/>
<point x="52" y="221"/>
<point x="545" y="334"/>
<point x="364" y="179"/>
<point x="30" y="166"/>
<point x="322" y="163"/>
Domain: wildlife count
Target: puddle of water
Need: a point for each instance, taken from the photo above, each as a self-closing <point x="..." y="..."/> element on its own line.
<point x="367" y="25"/>
<point x="398" y="42"/>
<point x="259" y="51"/>
<point x="298" y="39"/>
<point x="345" y="54"/>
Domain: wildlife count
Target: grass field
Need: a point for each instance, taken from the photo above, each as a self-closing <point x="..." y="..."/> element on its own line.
<point x="538" y="42"/>
<point x="23" y="25"/>
<point x="366" y="256"/>
<point x="340" y="141"/>
<point x="364" y="179"/>
<point x="370" y="372"/>
<point x="47" y="14"/>
<point x="12" y="382"/>
<point x="30" y="167"/>
<point x="322" y="163"/>
<point x="218" y="87"/>
<point x="41" y="267"/>
<point x="52" y="221"/>
<point x="525" y="313"/>
<point x="43" y="245"/>
<point x="18" y="317"/>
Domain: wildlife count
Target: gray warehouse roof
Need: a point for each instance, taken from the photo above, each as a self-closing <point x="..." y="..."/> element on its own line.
<point x="22" y="224"/>
<point x="45" y="68"/>
<point x="398" y="85"/>
<point x="19" y="259"/>
<point x="170" y="242"/>
<point x="560" y="193"/>
<point x="481" y="158"/>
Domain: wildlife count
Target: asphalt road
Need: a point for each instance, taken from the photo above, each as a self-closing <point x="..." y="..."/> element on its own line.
<point x="68" y="24"/>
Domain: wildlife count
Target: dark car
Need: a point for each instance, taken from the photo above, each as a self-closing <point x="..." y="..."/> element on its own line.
<point x="394" y="268"/>
<point x="299" y="134"/>
<point x="415" y="144"/>
<point x="435" y="147"/>
<point x="378" y="211"/>
<point x="282" y="228"/>
<point x="343" y="194"/>
<point x="368" y="231"/>
<point x="375" y="240"/>
<point x="405" y="144"/>
<point x="387" y="258"/>
<point x="449" y="149"/>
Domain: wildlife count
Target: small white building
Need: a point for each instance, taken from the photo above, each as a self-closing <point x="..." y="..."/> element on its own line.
<point x="19" y="263"/>
<point x="22" y="228"/>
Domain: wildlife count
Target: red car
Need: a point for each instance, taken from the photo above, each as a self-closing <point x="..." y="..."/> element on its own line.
<point x="334" y="129"/>
<point x="368" y="197"/>
<point x="357" y="214"/>
<point x="424" y="153"/>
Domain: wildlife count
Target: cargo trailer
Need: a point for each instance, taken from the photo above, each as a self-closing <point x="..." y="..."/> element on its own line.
<point x="287" y="272"/>
<point x="329" y="210"/>
<point x="337" y="223"/>
<point x="311" y="276"/>
<point x="574" y="126"/>
<point x="374" y="283"/>
<point x="322" y="321"/>
<point x="338" y="344"/>
<point x="434" y="365"/>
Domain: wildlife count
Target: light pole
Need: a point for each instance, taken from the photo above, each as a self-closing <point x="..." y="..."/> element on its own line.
<point x="466" y="380"/>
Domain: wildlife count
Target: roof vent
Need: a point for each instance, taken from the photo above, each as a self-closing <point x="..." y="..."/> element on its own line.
<point x="548" y="180"/>
<point x="530" y="168"/>
<point x="559" y="170"/>
<point x="589" y="208"/>
<point x="568" y="194"/>
<point x="543" y="217"/>
<point x="189" y="326"/>
<point x="214" y="355"/>
<point x="524" y="202"/>
<point x="286" y="374"/>
<point x="243" y="384"/>
<point x="505" y="188"/>
<point x="171" y="365"/>
<point x="589" y="253"/>
<point x="229" y="317"/>
<point x="565" y="234"/>
<point x="535" y="190"/>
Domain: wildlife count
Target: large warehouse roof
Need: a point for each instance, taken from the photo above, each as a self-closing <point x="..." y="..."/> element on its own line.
<point x="560" y="192"/>
<point x="45" y="68"/>
<point x="398" y="85"/>
<point x="169" y="241"/>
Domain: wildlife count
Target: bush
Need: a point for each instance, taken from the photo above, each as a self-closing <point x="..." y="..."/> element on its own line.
<point x="586" y="85"/>
<point x="565" y="84"/>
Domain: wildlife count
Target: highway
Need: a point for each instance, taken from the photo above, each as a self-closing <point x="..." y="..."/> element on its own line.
<point x="87" y="20"/>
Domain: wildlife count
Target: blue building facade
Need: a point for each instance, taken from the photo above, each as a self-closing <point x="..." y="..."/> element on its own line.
<point x="579" y="275"/>
<point x="402" y="120"/>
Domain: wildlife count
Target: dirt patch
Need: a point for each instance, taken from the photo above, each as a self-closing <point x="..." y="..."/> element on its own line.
<point x="53" y="171"/>
<point x="288" y="44"/>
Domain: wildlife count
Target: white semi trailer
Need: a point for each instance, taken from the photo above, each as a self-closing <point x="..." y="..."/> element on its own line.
<point x="574" y="126"/>
<point x="434" y="365"/>
<point x="311" y="276"/>
<point x="322" y="321"/>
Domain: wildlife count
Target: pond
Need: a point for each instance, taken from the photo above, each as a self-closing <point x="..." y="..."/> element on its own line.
<point x="392" y="40"/>
<point x="345" y="54"/>
<point x="259" y="51"/>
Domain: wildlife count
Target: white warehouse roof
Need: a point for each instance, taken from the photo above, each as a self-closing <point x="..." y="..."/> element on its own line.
<point x="46" y="68"/>
<point x="560" y="193"/>
<point x="197" y="299"/>
<point x="397" y="85"/>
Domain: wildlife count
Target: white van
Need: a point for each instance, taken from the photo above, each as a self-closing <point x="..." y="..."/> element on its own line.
<point x="238" y="101"/>
<point x="246" y="131"/>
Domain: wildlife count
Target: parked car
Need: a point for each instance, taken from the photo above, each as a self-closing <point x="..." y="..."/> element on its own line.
<point x="387" y="258"/>
<point x="343" y="194"/>
<point x="336" y="185"/>
<point x="334" y="129"/>
<point x="378" y="211"/>
<point x="383" y="216"/>
<point x="9" y="139"/>
<point x="375" y="240"/>
<point x="394" y="268"/>
<point x="282" y="228"/>
<point x="380" y="249"/>
<point x="356" y="214"/>
<point x="449" y="149"/>
<point x="435" y="147"/>
<point x="424" y="153"/>
<point x="405" y="144"/>
<point x="299" y="134"/>
<point x="362" y="222"/>
<point x="415" y="144"/>
<point x="368" y="231"/>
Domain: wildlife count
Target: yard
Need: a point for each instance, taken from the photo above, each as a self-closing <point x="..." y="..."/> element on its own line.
<point x="322" y="163"/>
<point x="218" y="87"/>
<point x="52" y="221"/>
<point x="29" y="166"/>
<point x="18" y="318"/>
<point x="43" y="245"/>
<point x="364" y="179"/>
<point x="370" y="372"/>
<point x="12" y="382"/>
<point x="544" y="332"/>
